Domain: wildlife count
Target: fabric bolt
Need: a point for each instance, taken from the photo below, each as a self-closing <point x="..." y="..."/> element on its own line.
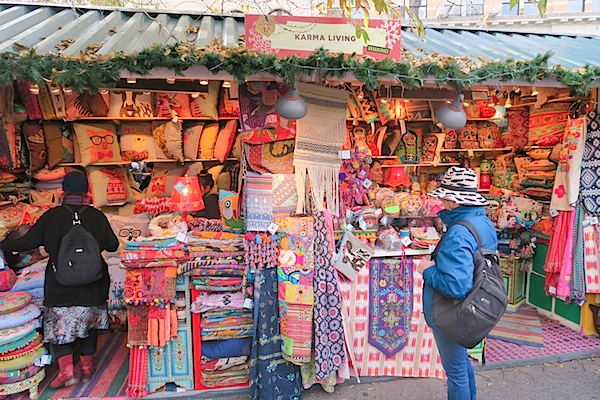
<point x="64" y="325"/>
<point x="556" y="247"/>
<point x="390" y="309"/>
<point x="590" y="166"/>
<point x="259" y="201"/>
<point x="567" y="179"/>
<point x="271" y="376"/>
<point x="295" y="274"/>
<point x="328" y="323"/>
<point x="592" y="266"/>
<point x="210" y="301"/>
<point x="578" y="276"/>
<point x="319" y="138"/>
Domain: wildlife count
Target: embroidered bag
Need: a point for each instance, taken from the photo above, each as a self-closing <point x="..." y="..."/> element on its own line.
<point x="467" y="321"/>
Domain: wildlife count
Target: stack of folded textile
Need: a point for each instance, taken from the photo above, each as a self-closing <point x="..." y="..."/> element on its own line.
<point x="20" y="344"/>
<point x="215" y="254"/>
<point x="225" y="362"/>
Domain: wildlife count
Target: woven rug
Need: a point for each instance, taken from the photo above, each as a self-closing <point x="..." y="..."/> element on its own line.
<point x="109" y="381"/>
<point x="521" y="327"/>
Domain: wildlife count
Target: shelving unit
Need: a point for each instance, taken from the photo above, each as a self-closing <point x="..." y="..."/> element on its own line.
<point x="419" y="165"/>
<point x="476" y="150"/>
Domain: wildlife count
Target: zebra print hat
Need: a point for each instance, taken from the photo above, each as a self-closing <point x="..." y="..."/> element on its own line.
<point x="460" y="185"/>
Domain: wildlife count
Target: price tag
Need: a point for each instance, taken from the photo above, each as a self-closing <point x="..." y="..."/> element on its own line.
<point x="367" y="183"/>
<point x="552" y="289"/>
<point x="273" y="228"/>
<point x="431" y="248"/>
<point x="406" y="241"/>
<point x="362" y="224"/>
<point x="349" y="228"/>
<point x="46" y="359"/>
<point x="378" y="212"/>
<point x="37" y="323"/>
<point x="344" y="155"/>
<point x="553" y="213"/>
<point x="248" y="304"/>
<point x="590" y="221"/>
<point x="384" y="220"/>
<point x="182" y="237"/>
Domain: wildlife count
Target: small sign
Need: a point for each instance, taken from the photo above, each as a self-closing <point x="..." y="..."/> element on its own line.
<point x="384" y="220"/>
<point x="367" y="183"/>
<point x="344" y="155"/>
<point x="272" y="228"/>
<point x="378" y="212"/>
<point x="249" y="304"/>
<point x="553" y="213"/>
<point x="590" y="221"/>
<point x="406" y="241"/>
<point x="182" y="237"/>
<point x="551" y="289"/>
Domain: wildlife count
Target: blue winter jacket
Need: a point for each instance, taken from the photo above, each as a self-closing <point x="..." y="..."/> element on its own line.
<point x="452" y="274"/>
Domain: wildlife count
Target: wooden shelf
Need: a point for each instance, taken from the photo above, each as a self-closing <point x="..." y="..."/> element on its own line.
<point x="559" y="100"/>
<point x="419" y="165"/>
<point x="404" y="120"/>
<point x="476" y="150"/>
<point x="144" y="119"/>
<point x="156" y="160"/>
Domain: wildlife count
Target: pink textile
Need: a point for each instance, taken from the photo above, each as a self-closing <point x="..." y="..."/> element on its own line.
<point x="563" y="288"/>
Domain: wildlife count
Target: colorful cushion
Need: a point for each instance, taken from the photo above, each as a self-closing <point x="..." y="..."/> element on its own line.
<point x="26" y="314"/>
<point x="136" y="141"/>
<point x="13" y="301"/>
<point x="161" y="183"/>
<point x="468" y="136"/>
<point x="191" y="139"/>
<point x="518" y="128"/>
<point x="32" y="346"/>
<point x="7" y="279"/>
<point x="223" y="181"/>
<point x="229" y="104"/>
<point x="22" y="362"/>
<point x="59" y="142"/>
<point x="130" y="104"/>
<point x="173" y="105"/>
<point x="58" y="100"/>
<point x="20" y="375"/>
<point x="98" y="142"/>
<point x="225" y="140"/>
<point x="9" y="148"/>
<point x="208" y="140"/>
<point x="488" y="134"/>
<point x="539" y="154"/>
<point x="45" y="102"/>
<point x="205" y="105"/>
<point x="127" y="229"/>
<point x="25" y="282"/>
<point x="86" y="105"/>
<point x="451" y="139"/>
<point x="215" y="171"/>
<point x="541" y="175"/>
<point x="50" y="174"/>
<point x="547" y="123"/>
<point x="7" y="177"/>
<point x="538" y="193"/>
<point x="109" y="185"/>
<point x="29" y="101"/>
<point x="168" y="137"/>
<point x="34" y="136"/>
<point x="541" y="165"/>
<point x="521" y="164"/>
<point x="9" y="335"/>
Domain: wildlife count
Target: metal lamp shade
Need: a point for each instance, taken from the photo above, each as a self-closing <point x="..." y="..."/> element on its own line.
<point x="186" y="195"/>
<point x="453" y="115"/>
<point x="291" y="106"/>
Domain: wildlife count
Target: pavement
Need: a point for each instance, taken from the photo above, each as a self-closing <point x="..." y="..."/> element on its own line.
<point x="577" y="379"/>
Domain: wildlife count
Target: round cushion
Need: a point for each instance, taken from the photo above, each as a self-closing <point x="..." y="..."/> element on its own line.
<point x="23" y="316"/>
<point x="13" y="301"/>
<point x="16" y="376"/>
<point x="24" y="351"/>
<point x="17" y="344"/>
<point x="22" y="362"/>
<point x="46" y="174"/>
<point x="21" y="386"/>
<point x="541" y="165"/>
<point x="8" y="335"/>
<point x="26" y="282"/>
<point x="539" y="154"/>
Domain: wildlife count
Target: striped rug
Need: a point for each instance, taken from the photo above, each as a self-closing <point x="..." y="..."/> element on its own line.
<point x="522" y="327"/>
<point x="110" y="380"/>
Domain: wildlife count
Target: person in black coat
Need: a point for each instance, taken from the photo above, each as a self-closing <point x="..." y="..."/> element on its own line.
<point x="73" y="313"/>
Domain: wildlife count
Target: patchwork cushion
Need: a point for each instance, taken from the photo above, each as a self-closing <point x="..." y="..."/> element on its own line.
<point x="191" y="139"/>
<point x="168" y="137"/>
<point x="25" y="315"/>
<point x="36" y="143"/>
<point x="98" y="142"/>
<point x="8" y="335"/>
<point x="205" y="105"/>
<point x="109" y="185"/>
<point x="13" y="301"/>
<point x="225" y="140"/>
<point x="59" y="142"/>
<point x="130" y="104"/>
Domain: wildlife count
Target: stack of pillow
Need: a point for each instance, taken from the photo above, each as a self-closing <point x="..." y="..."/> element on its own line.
<point x="31" y="280"/>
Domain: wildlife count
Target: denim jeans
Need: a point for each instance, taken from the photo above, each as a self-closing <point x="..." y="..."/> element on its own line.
<point x="461" y="378"/>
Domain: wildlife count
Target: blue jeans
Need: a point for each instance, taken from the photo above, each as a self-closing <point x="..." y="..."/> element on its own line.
<point x="461" y="378"/>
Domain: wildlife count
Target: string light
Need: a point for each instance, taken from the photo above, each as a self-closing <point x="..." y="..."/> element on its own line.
<point x="67" y="90"/>
<point x="34" y="89"/>
<point x="535" y="91"/>
<point x="170" y="81"/>
<point x="226" y="84"/>
<point x="204" y="82"/>
<point x="131" y="81"/>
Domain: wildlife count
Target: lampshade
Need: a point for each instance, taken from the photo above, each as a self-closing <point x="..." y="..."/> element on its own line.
<point x="452" y="115"/>
<point x="186" y="195"/>
<point x="396" y="177"/>
<point x="291" y="106"/>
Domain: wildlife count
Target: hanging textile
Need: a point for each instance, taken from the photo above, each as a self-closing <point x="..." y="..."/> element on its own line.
<point x="138" y="372"/>
<point x="567" y="181"/>
<point x="556" y="247"/>
<point x="259" y="201"/>
<point x="319" y="138"/>
<point x="390" y="306"/>
<point x="591" y="257"/>
<point x="563" y="286"/>
<point x="578" y="275"/>
<point x="296" y="296"/>
<point x="590" y="176"/>
<point x="329" y="327"/>
<point x="271" y="376"/>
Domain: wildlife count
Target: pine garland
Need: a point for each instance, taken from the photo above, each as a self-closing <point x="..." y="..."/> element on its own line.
<point x="93" y="72"/>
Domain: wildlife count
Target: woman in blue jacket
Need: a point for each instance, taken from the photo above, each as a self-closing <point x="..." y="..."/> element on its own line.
<point x="451" y="273"/>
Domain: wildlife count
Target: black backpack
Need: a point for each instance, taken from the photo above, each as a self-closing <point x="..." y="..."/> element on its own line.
<point x="467" y="321"/>
<point x="79" y="261"/>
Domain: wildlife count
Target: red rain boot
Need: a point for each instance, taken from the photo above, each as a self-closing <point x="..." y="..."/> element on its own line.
<point x="87" y="368"/>
<point x="66" y="373"/>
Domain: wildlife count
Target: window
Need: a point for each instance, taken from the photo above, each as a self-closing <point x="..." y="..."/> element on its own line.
<point x="576" y="5"/>
<point x="474" y="7"/>
<point x="530" y="9"/>
<point x="418" y="7"/>
<point x="595" y="5"/>
<point x="453" y="8"/>
<point x="457" y="8"/>
<point x="506" y="10"/>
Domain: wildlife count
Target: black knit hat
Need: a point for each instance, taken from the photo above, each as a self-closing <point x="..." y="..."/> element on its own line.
<point x="75" y="182"/>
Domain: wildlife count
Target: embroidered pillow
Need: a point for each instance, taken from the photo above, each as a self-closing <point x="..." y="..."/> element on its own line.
<point x="168" y="137"/>
<point x="127" y="229"/>
<point x="44" y="198"/>
<point x="6" y="177"/>
<point x="488" y="134"/>
<point x="13" y="301"/>
<point x="541" y="175"/>
<point x="229" y="104"/>
<point x="9" y="335"/>
<point x="34" y="136"/>
<point x="136" y="141"/>
<point x="87" y="105"/>
<point x="25" y="314"/>
<point x="23" y="361"/>
<point x="468" y="136"/>
<point x="547" y="123"/>
<point x="50" y="174"/>
<point x="521" y="164"/>
<point x="29" y="100"/>
<point x="9" y="149"/>
<point x="215" y="171"/>
<point x="191" y="139"/>
<point x="541" y="165"/>
<point x="29" y="281"/>
<point x="205" y="105"/>
<point x="109" y="185"/>
<point x="225" y="140"/>
<point x="58" y="100"/>
<point x="518" y="128"/>
<point x="230" y="211"/>
<point x="45" y="103"/>
<point x="208" y="140"/>
<point x="97" y="142"/>
<point x="130" y="104"/>
<point x="59" y="142"/>
<point x="163" y="175"/>
<point x="173" y="105"/>
<point x="540" y="154"/>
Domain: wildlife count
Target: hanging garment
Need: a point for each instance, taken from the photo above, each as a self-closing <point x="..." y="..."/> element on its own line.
<point x="563" y="287"/>
<point x="591" y="258"/>
<point x="556" y="249"/>
<point x="578" y="276"/>
<point x="590" y="176"/>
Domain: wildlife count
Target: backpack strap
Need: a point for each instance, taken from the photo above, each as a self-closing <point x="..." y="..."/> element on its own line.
<point x="466" y="224"/>
<point x="76" y="214"/>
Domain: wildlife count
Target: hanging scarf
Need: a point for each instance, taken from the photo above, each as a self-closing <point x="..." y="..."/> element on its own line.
<point x="578" y="277"/>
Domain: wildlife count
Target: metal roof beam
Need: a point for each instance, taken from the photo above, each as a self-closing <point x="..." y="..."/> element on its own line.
<point x="96" y="33"/>
<point x="123" y="35"/>
<point x="24" y="22"/>
<point x="72" y="30"/>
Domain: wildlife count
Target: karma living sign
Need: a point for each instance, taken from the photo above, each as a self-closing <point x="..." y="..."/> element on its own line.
<point x="287" y="36"/>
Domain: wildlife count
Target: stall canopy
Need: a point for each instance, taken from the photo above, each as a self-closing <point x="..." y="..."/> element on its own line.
<point x="63" y="31"/>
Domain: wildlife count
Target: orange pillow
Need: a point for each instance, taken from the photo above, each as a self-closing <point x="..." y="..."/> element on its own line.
<point x="208" y="140"/>
<point x="97" y="142"/>
<point x="225" y="140"/>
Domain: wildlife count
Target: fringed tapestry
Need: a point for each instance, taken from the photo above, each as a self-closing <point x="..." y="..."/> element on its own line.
<point x="319" y="138"/>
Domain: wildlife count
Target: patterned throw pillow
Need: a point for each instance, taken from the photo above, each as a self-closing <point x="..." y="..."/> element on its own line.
<point x="229" y="104"/>
<point x="59" y="142"/>
<point x="130" y="104"/>
<point x="127" y="229"/>
<point x="468" y="136"/>
<point x="225" y="140"/>
<point x="518" y="128"/>
<point x="136" y="141"/>
<point x="161" y="183"/>
<point x="168" y="137"/>
<point x="205" y="105"/>
<point x="109" y="185"/>
<point x="97" y="142"/>
<point x="173" y="105"/>
<point x="208" y="140"/>
<point x="547" y="123"/>
<point x="36" y="143"/>
<point x="191" y="139"/>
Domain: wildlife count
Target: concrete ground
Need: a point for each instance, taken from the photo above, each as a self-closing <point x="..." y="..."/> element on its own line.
<point x="577" y="379"/>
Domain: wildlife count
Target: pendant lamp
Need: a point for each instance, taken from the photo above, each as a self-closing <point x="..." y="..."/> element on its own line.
<point x="291" y="105"/>
<point x="453" y="115"/>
